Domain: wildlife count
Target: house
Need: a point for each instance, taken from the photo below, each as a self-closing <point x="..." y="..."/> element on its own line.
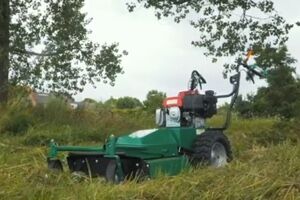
<point x="38" y="98"/>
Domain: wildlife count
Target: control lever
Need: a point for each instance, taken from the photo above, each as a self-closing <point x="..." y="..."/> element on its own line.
<point x="196" y="78"/>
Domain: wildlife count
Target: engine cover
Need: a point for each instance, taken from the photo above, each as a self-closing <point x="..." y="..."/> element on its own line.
<point x="193" y="103"/>
<point x="204" y="106"/>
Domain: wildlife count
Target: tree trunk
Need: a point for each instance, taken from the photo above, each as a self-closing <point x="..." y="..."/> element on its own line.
<point x="4" y="49"/>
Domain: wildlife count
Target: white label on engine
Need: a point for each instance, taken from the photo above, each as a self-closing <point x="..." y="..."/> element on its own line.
<point x="199" y="131"/>
<point x="142" y="133"/>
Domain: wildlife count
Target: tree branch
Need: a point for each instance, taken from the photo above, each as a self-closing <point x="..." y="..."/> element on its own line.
<point x="32" y="53"/>
<point x="178" y="2"/>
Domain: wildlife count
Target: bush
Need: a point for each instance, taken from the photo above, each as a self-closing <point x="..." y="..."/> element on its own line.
<point x="15" y="118"/>
<point x="288" y="129"/>
<point x="56" y="111"/>
<point x="65" y="134"/>
<point x="17" y="123"/>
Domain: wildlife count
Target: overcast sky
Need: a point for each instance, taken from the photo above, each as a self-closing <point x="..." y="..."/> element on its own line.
<point x="161" y="56"/>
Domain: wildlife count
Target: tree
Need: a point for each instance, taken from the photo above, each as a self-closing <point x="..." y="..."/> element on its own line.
<point x="283" y="90"/>
<point x="244" y="107"/>
<point x="282" y="95"/>
<point x="111" y="103"/>
<point x="226" y="27"/>
<point x="128" y="103"/>
<point x="154" y="100"/>
<point x="67" y="60"/>
<point x="89" y="100"/>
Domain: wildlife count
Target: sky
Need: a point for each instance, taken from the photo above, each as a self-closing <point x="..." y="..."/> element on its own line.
<point x="161" y="56"/>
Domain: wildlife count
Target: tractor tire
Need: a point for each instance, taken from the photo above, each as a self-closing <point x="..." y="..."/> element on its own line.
<point x="211" y="148"/>
<point x="111" y="174"/>
<point x="55" y="165"/>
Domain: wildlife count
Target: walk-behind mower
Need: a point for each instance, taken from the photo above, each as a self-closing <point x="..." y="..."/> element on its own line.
<point x="181" y="139"/>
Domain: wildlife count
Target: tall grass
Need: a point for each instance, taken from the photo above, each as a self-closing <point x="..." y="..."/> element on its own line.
<point x="260" y="173"/>
<point x="56" y="120"/>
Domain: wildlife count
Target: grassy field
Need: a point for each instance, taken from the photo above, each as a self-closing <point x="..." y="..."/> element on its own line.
<point x="266" y="161"/>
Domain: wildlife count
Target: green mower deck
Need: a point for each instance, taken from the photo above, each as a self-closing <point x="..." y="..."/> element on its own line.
<point x="143" y="153"/>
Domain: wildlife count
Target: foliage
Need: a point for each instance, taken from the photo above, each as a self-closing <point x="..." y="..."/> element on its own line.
<point x="226" y="28"/>
<point x="128" y="102"/>
<point x="15" y="123"/>
<point x="57" y="120"/>
<point x="55" y="111"/>
<point x="154" y="100"/>
<point x="282" y="95"/>
<point x="288" y="129"/>
<point x="15" y="118"/>
<point x="243" y="107"/>
<point x="68" y="59"/>
<point x="110" y="103"/>
<point x="89" y="100"/>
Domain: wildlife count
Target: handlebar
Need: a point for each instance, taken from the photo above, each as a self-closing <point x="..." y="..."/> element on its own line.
<point x="235" y="81"/>
<point x="251" y="68"/>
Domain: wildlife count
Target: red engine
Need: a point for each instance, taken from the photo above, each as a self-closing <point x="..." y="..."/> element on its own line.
<point x="189" y="108"/>
<point x="178" y="101"/>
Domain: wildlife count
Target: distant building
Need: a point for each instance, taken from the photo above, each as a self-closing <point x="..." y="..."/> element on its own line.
<point x="74" y="105"/>
<point x="87" y="104"/>
<point x="42" y="99"/>
<point x="38" y="98"/>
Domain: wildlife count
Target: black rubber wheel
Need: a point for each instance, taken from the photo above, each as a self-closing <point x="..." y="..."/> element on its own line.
<point x="211" y="148"/>
<point x="55" y="165"/>
<point x="111" y="174"/>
